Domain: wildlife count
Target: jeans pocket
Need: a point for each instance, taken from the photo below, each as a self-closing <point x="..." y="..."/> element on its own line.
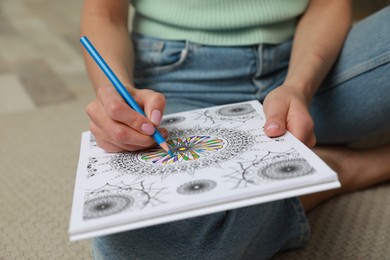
<point x="154" y="56"/>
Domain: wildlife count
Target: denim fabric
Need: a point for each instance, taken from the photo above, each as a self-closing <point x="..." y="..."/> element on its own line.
<point x="249" y="233"/>
<point x="353" y="102"/>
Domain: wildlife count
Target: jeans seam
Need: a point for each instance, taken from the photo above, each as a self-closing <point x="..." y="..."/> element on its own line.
<point x="357" y="70"/>
<point x="303" y="222"/>
<point x="259" y="67"/>
<point x="184" y="57"/>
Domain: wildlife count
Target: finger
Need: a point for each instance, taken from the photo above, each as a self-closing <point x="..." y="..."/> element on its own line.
<point x="302" y="127"/>
<point x="118" y="110"/>
<point x="275" y="113"/>
<point x="309" y="139"/>
<point x="111" y="148"/>
<point x="117" y="132"/>
<point x="108" y="147"/>
<point x="163" y="132"/>
<point x="101" y="139"/>
<point x="104" y="142"/>
<point x="312" y="141"/>
<point x="153" y="104"/>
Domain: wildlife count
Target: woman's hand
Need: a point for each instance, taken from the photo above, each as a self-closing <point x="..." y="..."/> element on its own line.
<point x="287" y="109"/>
<point x="117" y="127"/>
<point x="318" y="39"/>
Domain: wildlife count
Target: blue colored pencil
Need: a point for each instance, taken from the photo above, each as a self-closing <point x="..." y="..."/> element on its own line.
<point x="120" y="88"/>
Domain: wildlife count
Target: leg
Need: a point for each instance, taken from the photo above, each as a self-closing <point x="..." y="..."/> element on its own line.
<point x="357" y="169"/>
<point x="353" y="103"/>
<point x="256" y="232"/>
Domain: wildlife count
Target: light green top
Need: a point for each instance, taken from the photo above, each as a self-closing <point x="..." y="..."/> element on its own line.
<point x="219" y="22"/>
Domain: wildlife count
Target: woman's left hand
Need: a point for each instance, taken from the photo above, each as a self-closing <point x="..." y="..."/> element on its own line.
<point x="286" y="108"/>
<point x="318" y="39"/>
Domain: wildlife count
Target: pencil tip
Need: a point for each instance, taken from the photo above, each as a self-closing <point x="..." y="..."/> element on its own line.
<point x="166" y="148"/>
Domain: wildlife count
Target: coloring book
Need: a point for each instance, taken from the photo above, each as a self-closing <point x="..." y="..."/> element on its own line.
<point x="222" y="160"/>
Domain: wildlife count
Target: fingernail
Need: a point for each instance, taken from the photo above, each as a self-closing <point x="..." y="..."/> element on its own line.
<point x="148" y="129"/>
<point x="271" y="126"/>
<point x="156" y="117"/>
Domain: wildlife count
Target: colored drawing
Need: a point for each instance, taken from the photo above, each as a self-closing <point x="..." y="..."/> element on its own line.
<point x="185" y="149"/>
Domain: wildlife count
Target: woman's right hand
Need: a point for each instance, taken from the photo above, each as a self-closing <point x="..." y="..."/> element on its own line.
<point x="117" y="127"/>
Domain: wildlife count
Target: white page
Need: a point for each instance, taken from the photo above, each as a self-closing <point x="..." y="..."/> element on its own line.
<point x="223" y="160"/>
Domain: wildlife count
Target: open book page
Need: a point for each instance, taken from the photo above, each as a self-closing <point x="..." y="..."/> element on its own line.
<point x="222" y="160"/>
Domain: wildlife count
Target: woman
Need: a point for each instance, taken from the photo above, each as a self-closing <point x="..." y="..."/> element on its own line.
<point x="315" y="77"/>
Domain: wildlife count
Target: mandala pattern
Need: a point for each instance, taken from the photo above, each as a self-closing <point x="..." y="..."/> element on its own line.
<point x="238" y="113"/>
<point x="92" y="141"/>
<point x="286" y="169"/>
<point x="173" y="120"/>
<point x="185" y="149"/>
<point x="236" y="110"/>
<point x="91" y="167"/>
<point x="106" y="205"/>
<point x="113" y="199"/>
<point x="196" y="187"/>
<point x="269" y="167"/>
<point x="192" y="151"/>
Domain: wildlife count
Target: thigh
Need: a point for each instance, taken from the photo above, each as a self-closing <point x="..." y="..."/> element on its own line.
<point x="354" y="100"/>
<point x="256" y="232"/>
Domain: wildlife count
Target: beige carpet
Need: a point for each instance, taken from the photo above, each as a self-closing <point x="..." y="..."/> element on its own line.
<point x="353" y="226"/>
<point x="38" y="160"/>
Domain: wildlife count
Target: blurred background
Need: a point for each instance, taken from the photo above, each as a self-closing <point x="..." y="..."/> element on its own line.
<point x="43" y="92"/>
<point x="40" y="58"/>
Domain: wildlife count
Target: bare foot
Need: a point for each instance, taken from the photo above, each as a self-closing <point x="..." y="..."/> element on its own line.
<point x="356" y="168"/>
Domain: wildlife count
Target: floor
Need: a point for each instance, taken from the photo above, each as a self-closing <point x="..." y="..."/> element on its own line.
<point x="40" y="56"/>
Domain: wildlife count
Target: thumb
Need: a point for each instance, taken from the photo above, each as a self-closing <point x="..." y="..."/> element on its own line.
<point x="275" y="112"/>
<point x="153" y="104"/>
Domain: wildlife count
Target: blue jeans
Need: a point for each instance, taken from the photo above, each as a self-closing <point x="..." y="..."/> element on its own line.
<point x="353" y="102"/>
